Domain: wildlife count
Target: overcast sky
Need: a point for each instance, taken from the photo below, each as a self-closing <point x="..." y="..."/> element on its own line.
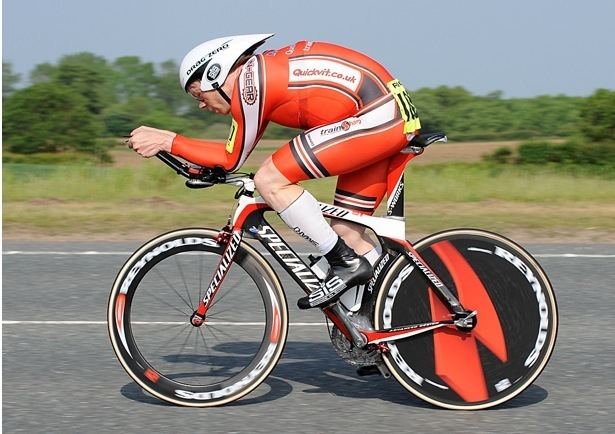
<point x="521" y="47"/>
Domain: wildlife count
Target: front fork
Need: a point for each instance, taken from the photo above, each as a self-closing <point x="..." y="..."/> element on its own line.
<point x="230" y="239"/>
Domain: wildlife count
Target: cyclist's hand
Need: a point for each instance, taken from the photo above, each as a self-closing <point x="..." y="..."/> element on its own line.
<point x="148" y="141"/>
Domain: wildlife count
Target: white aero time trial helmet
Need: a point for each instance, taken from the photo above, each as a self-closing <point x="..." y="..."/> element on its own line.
<point x="212" y="61"/>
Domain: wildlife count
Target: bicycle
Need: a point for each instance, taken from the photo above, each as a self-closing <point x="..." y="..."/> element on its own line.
<point x="463" y="319"/>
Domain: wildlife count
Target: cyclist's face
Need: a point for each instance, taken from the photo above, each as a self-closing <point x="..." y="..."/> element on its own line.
<point x="210" y="100"/>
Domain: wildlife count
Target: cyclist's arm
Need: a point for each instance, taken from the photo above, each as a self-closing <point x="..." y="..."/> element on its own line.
<point x="202" y="152"/>
<point x="248" y="124"/>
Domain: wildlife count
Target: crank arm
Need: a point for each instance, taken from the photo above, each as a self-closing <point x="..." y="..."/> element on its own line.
<point x="397" y="333"/>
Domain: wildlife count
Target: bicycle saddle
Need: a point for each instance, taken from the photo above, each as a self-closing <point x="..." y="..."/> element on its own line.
<point x="425" y="139"/>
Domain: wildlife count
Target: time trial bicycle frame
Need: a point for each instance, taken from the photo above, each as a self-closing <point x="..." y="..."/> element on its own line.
<point x="248" y="220"/>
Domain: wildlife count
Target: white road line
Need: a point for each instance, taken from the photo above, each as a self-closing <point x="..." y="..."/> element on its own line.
<point x="92" y="252"/>
<point x="52" y="253"/>
<point x="570" y="255"/>
<point x="87" y="253"/>
<point x="217" y="323"/>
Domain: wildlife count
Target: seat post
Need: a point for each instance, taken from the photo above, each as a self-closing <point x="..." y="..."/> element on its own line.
<point x="395" y="202"/>
<point x="395" y="178"/>
<point x="395" y="185"/>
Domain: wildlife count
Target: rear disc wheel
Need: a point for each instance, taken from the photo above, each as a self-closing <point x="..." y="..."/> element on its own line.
<point x="516" y="320"/>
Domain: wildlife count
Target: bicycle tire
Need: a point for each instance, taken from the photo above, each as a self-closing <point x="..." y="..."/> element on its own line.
<point x="152" y="299"/>
<point x="512" y="341"/>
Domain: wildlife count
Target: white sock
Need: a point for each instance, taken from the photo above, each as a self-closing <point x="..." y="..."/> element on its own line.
<point x="372" y="256"/>
<point x="305" y="218"/>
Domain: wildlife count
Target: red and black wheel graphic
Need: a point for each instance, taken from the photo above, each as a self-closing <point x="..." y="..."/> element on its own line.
<point x="516" y="320"/>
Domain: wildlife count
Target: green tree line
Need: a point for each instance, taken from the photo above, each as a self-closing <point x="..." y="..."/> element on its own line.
<point x="71" y="105"/>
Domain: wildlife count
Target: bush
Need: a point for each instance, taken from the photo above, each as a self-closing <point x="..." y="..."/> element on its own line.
<point x="536" y="153"/>
<point x="600" y="154"/>
<point x="49" y="118"/>
<point x="572" y="152"/>
<point x="500" y="155"/>
<point x="119" y="122"/>
<point x="598" y="116"/>
<point x="44" y="158"/>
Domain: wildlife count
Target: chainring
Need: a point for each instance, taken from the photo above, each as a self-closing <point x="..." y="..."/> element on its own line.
<point x="350" y="353"/>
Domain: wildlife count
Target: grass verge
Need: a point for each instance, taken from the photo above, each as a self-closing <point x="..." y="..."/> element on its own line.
<point x="138" y="202"/>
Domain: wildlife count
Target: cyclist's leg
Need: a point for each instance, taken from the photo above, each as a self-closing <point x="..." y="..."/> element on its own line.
<point x="361" y="191"/>
<point x="294" y="204"/>
<point x="275" y="188"/>
<point x="358" y="149"/>
<point x="375" y="134"/>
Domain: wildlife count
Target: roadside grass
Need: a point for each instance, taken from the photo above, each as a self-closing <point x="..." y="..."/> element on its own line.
<point x="459" y="182"/>
<point x="474" y="182"/>
<point x="141" y="220"/>
<point x="138" y="201"/>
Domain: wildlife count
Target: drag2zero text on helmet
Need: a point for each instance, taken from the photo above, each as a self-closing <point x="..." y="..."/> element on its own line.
<point x="214" y="59"/>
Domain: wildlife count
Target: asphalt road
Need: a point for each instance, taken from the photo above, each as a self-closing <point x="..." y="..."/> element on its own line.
<point x="64" y="377"/>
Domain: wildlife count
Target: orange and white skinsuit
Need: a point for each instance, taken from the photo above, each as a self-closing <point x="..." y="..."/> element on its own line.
<point x="354" y="114"/>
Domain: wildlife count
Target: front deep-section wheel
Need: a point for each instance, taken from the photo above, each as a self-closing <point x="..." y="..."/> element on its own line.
<point x="236" y="347"/>
<point x="516" y="320"/>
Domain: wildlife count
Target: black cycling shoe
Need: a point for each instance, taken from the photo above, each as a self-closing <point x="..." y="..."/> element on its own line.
<point x="347" y="270"/>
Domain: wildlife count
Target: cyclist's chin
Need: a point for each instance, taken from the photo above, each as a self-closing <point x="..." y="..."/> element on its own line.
<point x="220" y="110"/>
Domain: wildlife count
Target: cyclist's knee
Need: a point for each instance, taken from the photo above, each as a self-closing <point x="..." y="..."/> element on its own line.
<point x="268" y="179"/>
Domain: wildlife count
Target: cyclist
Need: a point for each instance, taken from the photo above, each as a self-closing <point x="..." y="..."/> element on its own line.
<point x="355" y="117"/>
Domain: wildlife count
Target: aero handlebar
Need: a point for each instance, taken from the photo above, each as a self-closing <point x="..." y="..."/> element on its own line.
<point x="198" y="176"/>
